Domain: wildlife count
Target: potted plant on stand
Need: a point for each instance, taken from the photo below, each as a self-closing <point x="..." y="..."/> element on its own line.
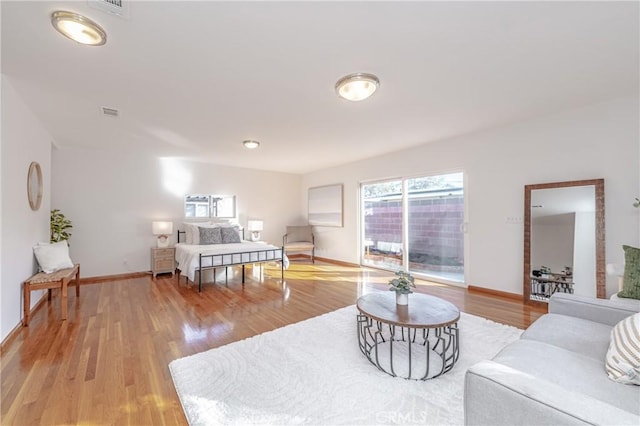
<point x="402" y="286"/>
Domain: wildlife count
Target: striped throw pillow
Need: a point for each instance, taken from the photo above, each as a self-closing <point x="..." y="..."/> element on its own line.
<point x="623" y="356"/>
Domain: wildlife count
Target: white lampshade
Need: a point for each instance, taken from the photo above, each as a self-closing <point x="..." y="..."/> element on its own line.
<point x="254" y="225"/>
<point x="162" y="228"/>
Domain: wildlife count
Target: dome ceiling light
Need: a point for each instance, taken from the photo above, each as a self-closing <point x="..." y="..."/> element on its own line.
<point x="78" y="28"/>
<point x="357" y="86"/>
<point x="251" y="144"/>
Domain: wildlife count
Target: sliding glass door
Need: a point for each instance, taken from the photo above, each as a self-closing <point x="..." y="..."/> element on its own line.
<point x="435" y="226"/>
<point x="415" y="224"/>
<point x="382" y="224"/>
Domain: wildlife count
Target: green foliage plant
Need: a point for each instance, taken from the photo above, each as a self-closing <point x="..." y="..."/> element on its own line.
<point x="402" y="284"/>
<point x="60" y="227"/>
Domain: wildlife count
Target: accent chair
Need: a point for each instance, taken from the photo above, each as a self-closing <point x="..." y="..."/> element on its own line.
<point x="299" y="239"/>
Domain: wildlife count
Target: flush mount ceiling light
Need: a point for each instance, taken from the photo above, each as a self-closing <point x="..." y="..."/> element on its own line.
<point x="250" y="144"/>
<point x="78" y="28"/>
<point x="357" y="87"/>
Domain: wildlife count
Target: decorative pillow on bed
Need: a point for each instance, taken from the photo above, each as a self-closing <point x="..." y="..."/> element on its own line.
<point x="623" y="356"/>
<point x="53" y="257"/>
<point x="230" y="234"/>
<point x="191" y="232"/>
<point x="210" y="235"/>
<point x="631" y="278"/>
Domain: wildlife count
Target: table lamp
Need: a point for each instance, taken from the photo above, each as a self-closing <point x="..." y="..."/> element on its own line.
<point x="255" y="226"/>
<point x="162" y="230"/>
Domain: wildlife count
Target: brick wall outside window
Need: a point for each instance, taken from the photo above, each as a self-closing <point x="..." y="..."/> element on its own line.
<point x="435" y="238"/>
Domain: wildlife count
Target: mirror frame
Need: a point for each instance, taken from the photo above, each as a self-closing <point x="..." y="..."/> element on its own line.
<point x="34" y="186"/>
<point x="601" y="285"/>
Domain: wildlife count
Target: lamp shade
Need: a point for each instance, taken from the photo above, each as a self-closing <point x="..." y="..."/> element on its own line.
<point x="254" y="225"/>
<point x="162" y="228"/>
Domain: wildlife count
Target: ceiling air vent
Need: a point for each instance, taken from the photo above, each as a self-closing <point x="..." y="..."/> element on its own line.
<point x="111" y="112"/>
<point x="114" y="7"/>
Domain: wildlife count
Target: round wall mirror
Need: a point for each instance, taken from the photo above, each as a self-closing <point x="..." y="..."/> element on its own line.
<point x="34" y="186"/>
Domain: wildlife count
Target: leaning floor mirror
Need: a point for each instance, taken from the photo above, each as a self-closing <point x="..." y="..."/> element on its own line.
<point x="564" y="240"/>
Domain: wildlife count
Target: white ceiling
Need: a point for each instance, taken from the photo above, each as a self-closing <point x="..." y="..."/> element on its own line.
<point x="194" y="79"/>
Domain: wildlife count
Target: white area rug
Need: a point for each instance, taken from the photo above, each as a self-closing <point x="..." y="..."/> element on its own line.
<point x="312" y="372"/>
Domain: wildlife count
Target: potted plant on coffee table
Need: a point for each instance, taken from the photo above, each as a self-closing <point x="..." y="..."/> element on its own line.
<point x="402" y="286"/>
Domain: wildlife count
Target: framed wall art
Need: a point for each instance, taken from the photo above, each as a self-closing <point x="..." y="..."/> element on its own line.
<point x="325" y="205"/>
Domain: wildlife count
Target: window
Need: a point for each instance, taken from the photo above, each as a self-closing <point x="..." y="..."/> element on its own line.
<point x="416" y="225"/>
<point x="220" y="206"/>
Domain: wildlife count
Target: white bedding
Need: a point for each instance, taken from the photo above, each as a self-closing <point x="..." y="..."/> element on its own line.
<point x="187" y="255"/>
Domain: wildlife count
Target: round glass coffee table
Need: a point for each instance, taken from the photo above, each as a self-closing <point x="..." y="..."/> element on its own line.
<point x="417" y="341"/>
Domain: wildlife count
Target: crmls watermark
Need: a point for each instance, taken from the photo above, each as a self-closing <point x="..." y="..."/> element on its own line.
<point x="400" y="417"/>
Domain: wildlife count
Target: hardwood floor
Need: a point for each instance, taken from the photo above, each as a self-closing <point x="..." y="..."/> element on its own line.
<point x="108" y="363"/>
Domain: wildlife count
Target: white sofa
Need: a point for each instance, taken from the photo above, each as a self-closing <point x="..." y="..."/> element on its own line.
<point x="555" y="373"/>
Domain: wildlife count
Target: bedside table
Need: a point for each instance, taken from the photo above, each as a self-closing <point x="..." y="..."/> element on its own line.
<point x="163" y="260"/>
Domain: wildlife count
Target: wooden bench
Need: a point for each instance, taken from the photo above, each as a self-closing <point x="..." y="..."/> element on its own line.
<point x="43" y="281"/>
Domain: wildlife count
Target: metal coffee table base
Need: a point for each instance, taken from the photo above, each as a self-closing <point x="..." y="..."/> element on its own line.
<point x="411" y="353"/>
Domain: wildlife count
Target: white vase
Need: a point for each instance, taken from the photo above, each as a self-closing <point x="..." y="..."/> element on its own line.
<point x="402" y="298"/>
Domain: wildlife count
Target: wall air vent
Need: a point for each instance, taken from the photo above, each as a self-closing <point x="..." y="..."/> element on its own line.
<point x="113" y="7"/>
<point x="111" y="112"/>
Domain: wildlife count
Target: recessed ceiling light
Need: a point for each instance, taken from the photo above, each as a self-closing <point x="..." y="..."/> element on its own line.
<point x="251" y="144"/>
<point x="357" y="87"/>
<point x="78" y="28"/>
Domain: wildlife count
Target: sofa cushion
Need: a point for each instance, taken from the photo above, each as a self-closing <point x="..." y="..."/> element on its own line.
<point x="569" y="333"/>
<point x="623" y="357"/>
<point x="571" y="370"/>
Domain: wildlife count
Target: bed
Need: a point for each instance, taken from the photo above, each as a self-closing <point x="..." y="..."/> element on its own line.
<point x="193" y="257"/>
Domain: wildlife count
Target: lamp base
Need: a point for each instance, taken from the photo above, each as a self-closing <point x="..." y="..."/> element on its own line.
<point x="163" y="241"/>
<point x="255" y="235"/>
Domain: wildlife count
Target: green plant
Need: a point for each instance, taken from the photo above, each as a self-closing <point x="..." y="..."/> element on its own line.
<point x="60" y="227"/>
<point x="403" y="283"/>
<point x="637" y="203"/>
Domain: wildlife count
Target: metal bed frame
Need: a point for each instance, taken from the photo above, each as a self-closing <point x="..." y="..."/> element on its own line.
<point x="229" y="256"/>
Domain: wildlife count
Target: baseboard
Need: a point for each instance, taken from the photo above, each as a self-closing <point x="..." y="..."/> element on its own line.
<point x="497" y="293"/>
<point x="322" y="259"/>
<point x="337" y="262"/>
<point x="299" y="256"/>
<point x="14" y="333"/>
<point x="105" y="278"/>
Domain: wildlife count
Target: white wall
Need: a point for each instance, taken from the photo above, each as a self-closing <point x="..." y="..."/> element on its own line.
<point x="112" y="198"/>
<point x="584" y="266"/>
<point x="24" y="140"/>
<point x="597" y="141"/>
